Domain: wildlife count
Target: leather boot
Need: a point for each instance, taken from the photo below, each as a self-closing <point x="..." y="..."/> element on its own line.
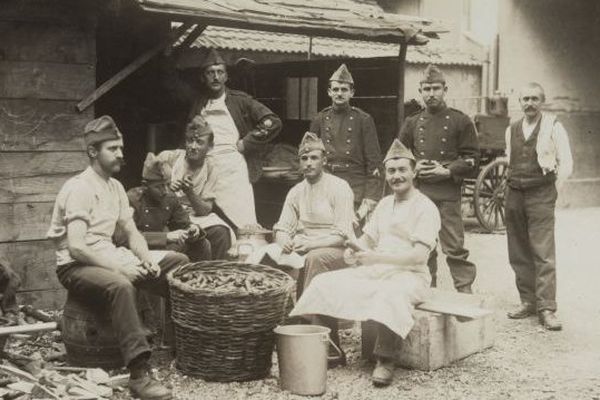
<point x="549" y="320"/>
<point x="524" y="311"/>
<point x="383" y="373"/>
<point x="146" y="388"/>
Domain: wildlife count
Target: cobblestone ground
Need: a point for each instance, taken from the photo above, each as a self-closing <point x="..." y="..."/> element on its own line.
<point x="526" y="361"/>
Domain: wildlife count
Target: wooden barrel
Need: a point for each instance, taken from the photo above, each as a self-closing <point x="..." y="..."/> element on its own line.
<point x="88" y="336"/>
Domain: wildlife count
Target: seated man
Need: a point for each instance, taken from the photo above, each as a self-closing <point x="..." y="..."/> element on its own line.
<point x="317" y="215"/>
<point x="193" y="180"/>
<point x="393" y="275"/>
<point x="161" y="218"/>
<point x="87" y="210"/>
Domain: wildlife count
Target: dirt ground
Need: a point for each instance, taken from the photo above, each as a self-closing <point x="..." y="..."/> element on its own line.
<point x="526" y="362"/>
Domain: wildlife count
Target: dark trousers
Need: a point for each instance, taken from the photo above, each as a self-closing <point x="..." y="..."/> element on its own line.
<point x="198" y="250"/>
<point x="101" y="286"/>
<point x="385" y="343"/>
<point x="318" y="261"/>
<point x="531" y="247"/>
<point x="220" y="241"/>
<point x="452" y="240"/>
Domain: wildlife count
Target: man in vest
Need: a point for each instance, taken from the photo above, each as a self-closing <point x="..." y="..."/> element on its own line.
<point x="445" y="145"/>
<point x="540" y="159"/>
<point x="351" y="143"/>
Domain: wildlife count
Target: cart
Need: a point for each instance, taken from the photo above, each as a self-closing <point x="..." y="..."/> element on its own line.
<point x="485" y="192"/>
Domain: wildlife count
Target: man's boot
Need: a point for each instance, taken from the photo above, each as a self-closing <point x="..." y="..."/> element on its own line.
<point x="523" y="311"/>
<point x="383" y="373"/>
<point x="549" y="320"/>
<point x="141" y="383"/>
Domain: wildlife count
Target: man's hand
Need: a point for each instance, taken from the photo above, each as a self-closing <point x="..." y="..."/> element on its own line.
<point x="185" y="185"/>
<point x="193" y="232"/>
<point x="302" y="244"/>
<point x="152" y="269"/>
<point x="288" y="247"/>
<point x="368" y="257"/>
<point x="431" y="170"/>
<point x="179" y="236"/>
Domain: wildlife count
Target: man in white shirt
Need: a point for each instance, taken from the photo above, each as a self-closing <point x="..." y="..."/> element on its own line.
<point x="539" y="162"/>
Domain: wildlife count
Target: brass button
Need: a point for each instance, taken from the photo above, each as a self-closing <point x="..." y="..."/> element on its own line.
<point x="420" y="128"/>
<point x="348" y="140"/>
<point x="421" y="140"/>
<point x="146" y="211"/>
<point x="421" y="119"/>
<point x="444" y="139"/>
<point x="447" y="117"/>
<point x="347" y="165"/>
<point x="350" y="129"/>
<point x="442" y="152"/>
<point x="328" y="140"/>
<point x="422" y="153"/>
<point x="445" y="127"/>
<point x="351" y="117"/>
<point x="327" y="128"/>
<point x="327" y="117"/>
<point x="347" y="152"/>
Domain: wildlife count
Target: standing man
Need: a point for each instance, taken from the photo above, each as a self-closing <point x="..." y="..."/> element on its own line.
<point x="540" y="160"/>
<point x="317" y="215"/>
<point x="88" y="208"/>
<point x="242" y="127"/>
<point x="391" y="275"/>
<point x="351" y="143"/>
<point x="161" y="218"/>
<point x="445" y="145"/>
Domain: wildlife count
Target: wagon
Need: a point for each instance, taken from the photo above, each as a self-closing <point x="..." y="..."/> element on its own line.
<point x="485" y="192"/>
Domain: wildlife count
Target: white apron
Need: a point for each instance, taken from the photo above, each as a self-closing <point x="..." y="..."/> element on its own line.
<point x="384" y="293"/>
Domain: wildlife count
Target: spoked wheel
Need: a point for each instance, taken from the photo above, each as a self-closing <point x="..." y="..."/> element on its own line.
<point x="488" y="198"/>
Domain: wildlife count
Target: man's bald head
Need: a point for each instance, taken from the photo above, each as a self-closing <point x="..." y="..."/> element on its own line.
<point x="533" y="86"/>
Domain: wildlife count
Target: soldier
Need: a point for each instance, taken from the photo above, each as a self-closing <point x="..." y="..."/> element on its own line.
<point x="444" y="142"/>
<point x="351" y="143"/>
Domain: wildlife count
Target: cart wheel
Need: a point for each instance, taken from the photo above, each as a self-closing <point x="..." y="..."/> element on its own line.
<point x="488" y="199"/>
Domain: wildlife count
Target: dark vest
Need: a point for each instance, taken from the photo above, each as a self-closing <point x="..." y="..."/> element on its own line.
<point x="524" y="171"/>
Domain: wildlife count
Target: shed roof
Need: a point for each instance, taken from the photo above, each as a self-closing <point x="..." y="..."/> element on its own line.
<point x="243" y="39"/>
<point x="348" y="19"/>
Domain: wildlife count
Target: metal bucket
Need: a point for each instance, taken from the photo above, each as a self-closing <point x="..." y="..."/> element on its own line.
<point x="302" y="356"/>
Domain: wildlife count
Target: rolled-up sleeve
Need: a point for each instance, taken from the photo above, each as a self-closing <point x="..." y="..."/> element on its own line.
<point x="343" y="209"/>
<point x="564" y="157"/>
<point x="427" y="226"/>
<point x="288" y="220"/>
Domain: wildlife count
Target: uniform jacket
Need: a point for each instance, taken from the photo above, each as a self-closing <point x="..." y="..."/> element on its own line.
<point x="352" y="148"/>
<point x="248" y="115"/>
<point x="449" y="137"/>
<point x="155" y="221"/>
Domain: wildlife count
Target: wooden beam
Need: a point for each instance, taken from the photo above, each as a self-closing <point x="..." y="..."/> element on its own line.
<point x="131" y="68"/>
<point x="191" y="38"/>
<point x="40" y="326"/>
<point x="400" y="87"/>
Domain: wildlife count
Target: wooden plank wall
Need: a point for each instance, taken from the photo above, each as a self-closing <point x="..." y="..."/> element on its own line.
<point x="47" y="64"/>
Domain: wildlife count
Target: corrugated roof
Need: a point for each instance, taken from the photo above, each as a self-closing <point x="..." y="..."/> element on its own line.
<point x="243" y="39"/>
<point x="349" y="19"/>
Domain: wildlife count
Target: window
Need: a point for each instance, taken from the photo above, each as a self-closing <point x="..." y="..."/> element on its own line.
<point x="301" y="98"/>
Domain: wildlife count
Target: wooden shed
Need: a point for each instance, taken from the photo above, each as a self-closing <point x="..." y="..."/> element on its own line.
<point x="62" y="63"/>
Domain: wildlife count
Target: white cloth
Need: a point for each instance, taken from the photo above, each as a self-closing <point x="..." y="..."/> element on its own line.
<point x="217" y="115"/>
<point x="275" y="252"/>
<point x="553" y="149"/>
<point x="384" y="293"/>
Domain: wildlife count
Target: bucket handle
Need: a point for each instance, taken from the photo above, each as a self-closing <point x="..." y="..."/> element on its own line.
<point x="339" y="351"/>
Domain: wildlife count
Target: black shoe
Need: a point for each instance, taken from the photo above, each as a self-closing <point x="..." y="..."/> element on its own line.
<point x="465" y="289"/>
<point x="524" y="311"/>
<point x="383" y="373"/>
<point x="549" y="320"/>
<point x="335" y="359"/>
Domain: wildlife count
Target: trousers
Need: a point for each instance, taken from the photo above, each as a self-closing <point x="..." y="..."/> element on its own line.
<point x="101" y="286"/>
<point x="531" y="244"/>
<point x="452" y="240"/>
<point x="318" y="261"/>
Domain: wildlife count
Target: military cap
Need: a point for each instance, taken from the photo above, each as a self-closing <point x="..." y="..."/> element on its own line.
<point x="433" y="74"/>
<point x="310" y="142"/>
<point x="342" y="75"/>
<point x="212" y="58"/>
<point x="198" y="127"/>
<point x="398" y="150"/>
<point x="100" y="130"/>
<point x="152" y="169"/>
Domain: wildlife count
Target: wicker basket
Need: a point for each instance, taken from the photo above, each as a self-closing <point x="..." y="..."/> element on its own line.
<point x="226" y="336"/>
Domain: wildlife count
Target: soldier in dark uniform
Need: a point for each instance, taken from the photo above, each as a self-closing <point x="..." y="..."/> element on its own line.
<point x="444" y="141"/>
<point x="160" y="217"/>
<point x="351" y="143"/>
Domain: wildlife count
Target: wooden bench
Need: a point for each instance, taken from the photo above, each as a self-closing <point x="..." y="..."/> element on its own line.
<point x="448" y="327"/>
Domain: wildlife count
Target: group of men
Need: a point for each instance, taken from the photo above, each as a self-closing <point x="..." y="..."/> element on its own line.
<point x="193" y="200"/>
